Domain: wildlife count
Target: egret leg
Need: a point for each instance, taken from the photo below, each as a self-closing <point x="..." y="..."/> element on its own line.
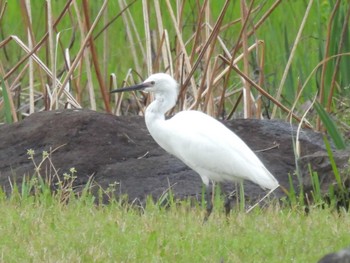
<point x="208" y="199"/>
<point x="227" y="204"/>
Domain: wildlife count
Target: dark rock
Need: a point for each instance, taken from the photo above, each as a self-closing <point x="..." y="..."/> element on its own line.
<point x="319" y="162"/>
<point x="342" y="256"/>
<point x="120" y="149"/>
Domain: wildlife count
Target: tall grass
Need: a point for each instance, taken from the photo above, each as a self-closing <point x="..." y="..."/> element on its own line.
<point x="216" y="50"/>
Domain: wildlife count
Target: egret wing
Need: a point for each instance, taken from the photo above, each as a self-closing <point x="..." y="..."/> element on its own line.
<point x="211" y="149"/>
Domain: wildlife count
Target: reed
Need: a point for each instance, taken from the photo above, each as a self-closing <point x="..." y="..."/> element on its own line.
<point x="204" y="45"/>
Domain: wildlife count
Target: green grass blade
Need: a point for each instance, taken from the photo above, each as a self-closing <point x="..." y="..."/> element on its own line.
<point x="292" y="193"/>
<point x="7" y="106"/>
<point x="241" y="197"/>
<point x="333" y="164"/>
<point x="330" y="126"/>
<point x="317" y="195"/>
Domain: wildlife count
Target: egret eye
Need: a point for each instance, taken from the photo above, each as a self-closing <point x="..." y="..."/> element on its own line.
<point x="152" y="83"/>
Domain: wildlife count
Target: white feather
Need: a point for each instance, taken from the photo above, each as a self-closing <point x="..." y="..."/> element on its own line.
<point x="200" y="141"/>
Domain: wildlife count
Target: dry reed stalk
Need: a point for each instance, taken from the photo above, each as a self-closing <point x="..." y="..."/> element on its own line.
<point x="303" y="118"/>
<point x="291" y="56"/>
<point x="209" y="100"/>
<point x="89" y="83"/>
<point x="179" y="55"/>
<point x="163" y="52"/>
<point x="263" y="92"/>
<point x="311" y="74"/>
<point x="168" y="52"/>
<point x="40" y="64"/>
<point x="157" y="53"/>
<point x="80" y="53"/>
<point x="247" y="109"/>
<point x="234" y="61"/>
<point x="198" y="30"/>
<point x="36" y="47"/>
<point x="264" y="17"/>
<point x="148" y="42"/>
<point x="126" y="16"/>
<point x="106" y="25"/>
<point x="30" y="53"/>
<point x="183" y="51"/>
<point x="113" y="84"/>
<point x="235" y="50"/>
<point x="257" y="24"/>
<point x="8" y="90"/>
<point x="78" y="84"/>
<point x="102" y="86"/>
<point x="261" y="79"/>
<point x="206" y="78"/>
<point x="226" y="73"/>
<point x="68" y="65"/>
<point x="137" y="35"/>
<point x="232" y="57"/>
<point x="337" y="60"/>
<point x="87" y="62"/>
<point x="203" y="59"/>
<point x="26" y="11"/>
<point x="324" y="65"/>
<point x="213" y="35"/>
<point x="3" y="6"/>
<point x="129" y="76"/>
<point x="19" y="76"/>
<point x="161" y="35"/>
<point x="201" y="66"/>
<point x="51" y="58"/>
<point x="235" y="106"/>
<point x="105" y="52"/>
<point x="54" y="88"/>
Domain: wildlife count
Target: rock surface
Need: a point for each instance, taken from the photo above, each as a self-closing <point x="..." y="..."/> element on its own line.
<point x="342" y="256"/>
<point x="120" y="149"/>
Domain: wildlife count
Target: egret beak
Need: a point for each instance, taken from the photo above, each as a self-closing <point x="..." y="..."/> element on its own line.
<point x="141" y="86"/>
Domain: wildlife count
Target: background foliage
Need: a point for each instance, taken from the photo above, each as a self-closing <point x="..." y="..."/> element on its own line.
<point x="293" y="50"/>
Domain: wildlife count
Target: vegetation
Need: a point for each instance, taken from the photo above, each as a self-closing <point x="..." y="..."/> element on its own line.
<point x="84" y="233"/>
<point x="99" y="45"/>
<point x="42" y="228"/>
<point x="291" y="57"/>
<point x="46" y="220"/>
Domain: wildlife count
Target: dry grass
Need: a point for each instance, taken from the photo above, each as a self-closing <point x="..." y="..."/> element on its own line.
<point x="213" y="50"/>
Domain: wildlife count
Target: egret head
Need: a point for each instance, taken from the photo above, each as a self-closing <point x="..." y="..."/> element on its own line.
<point x="161" y="84"/>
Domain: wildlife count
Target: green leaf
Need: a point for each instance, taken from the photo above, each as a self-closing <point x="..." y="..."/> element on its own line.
<point x="7" y="106"/>
<point x="333" y="164"/>
<point x="330" y="126"/>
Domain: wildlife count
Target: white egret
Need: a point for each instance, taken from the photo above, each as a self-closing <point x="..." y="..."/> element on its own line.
<point x="200" y="141"/>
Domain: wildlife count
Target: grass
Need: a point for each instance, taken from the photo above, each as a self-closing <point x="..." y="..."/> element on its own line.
<point x="39" y="224"/>
<point x="49" y="231"/>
